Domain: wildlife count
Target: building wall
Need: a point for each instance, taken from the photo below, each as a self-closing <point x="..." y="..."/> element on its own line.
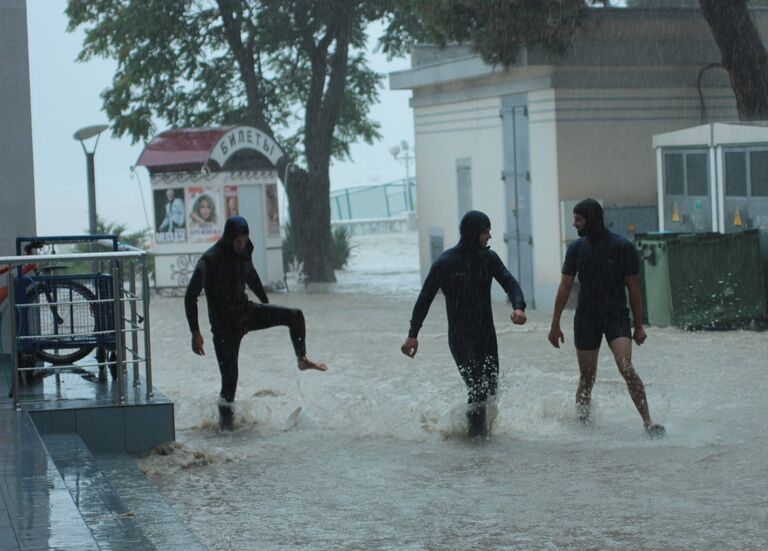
<point x="629" y="75"/>
<point x="604" y="137"/>
<point x="17" y="189"/>
<point x="444" y="135"/>
<point x="545" y="202"/>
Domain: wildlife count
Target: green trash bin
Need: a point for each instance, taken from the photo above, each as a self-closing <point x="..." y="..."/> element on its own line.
<point x="717" y="280"/>
<point x="705" y="280"/>
<point x="654" y="276"/>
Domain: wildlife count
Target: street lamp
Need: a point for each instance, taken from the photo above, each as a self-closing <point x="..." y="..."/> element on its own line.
<point x="406" y="159"/>
<point x="81" y="135"/>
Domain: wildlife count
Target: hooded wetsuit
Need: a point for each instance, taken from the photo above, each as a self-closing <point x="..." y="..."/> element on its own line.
<point x="224" y="274"/>
<point x="601" y="259"/>
<point x="464" y="274"/>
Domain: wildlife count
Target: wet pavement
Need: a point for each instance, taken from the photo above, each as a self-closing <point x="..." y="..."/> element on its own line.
<point x="55" y="493"/>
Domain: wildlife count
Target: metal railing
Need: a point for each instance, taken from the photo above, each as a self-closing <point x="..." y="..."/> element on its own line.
<point x="390" y="200"/>
<point x="47" y="311"/>
<point x="373" y="225"/>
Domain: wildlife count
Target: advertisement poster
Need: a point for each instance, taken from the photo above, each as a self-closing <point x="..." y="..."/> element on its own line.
<point x="204" y="213"/>
<point x="273" y="213"/>
<point x="170" y="216"/>
<point x="230" y="201"/>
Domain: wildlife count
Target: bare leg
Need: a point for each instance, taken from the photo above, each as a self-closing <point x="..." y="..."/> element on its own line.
<point x="587" y="372"/>
<point x="622" y="353"/>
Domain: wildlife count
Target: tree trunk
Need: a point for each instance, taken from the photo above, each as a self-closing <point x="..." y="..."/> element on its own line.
<point x="309" y="206"/>
<point x="743" y="54"/>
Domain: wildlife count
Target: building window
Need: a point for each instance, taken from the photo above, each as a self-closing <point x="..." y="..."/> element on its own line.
<point x="464" y="185"/>
<point x="736" y="173"/>
<point x="673" y="173"/>
<point x="696" y="174"/>
<point x="758" y="171"/>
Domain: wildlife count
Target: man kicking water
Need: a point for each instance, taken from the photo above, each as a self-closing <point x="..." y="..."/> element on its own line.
<point x="464" y="274"/>
<point x="223" y="271"/>
<point x="606" y="263"/>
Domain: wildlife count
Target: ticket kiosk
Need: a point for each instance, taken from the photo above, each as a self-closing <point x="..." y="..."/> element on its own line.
<point x="199" y="178"/>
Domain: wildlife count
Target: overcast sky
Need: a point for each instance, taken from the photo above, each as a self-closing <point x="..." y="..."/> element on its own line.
<point x="65" y="97"/>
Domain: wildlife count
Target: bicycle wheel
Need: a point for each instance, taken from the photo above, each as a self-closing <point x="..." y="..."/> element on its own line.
<point x="64" y="310"/>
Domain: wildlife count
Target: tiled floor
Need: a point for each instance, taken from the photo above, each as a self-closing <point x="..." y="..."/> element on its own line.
<point x="54" y="494"/>
<point x="38" y="510"/>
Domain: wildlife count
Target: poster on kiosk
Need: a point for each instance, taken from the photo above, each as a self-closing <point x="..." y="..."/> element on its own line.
<point x="200" y="177"/>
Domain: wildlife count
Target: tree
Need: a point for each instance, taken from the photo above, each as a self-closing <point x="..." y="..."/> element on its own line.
<point x="295" y="69"/>
<point x="743" y="55"/>
<point x="497" y="30"/>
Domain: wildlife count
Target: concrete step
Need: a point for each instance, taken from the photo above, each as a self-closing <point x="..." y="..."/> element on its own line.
<point x="112" y="524"/>
<point x="121" y="507"/>
<point x="37" y="511"/>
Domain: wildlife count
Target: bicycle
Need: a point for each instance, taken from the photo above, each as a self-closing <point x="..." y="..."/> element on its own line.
<point x="56" y="310"/>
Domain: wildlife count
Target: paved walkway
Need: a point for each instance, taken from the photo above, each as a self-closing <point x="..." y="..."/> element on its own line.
<point x="56" y="494"/>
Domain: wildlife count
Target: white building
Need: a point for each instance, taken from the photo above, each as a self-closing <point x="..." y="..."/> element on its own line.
<point x="524" y="143"/>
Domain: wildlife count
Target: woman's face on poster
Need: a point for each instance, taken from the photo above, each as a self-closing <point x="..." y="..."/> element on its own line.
<point x="204" y="209"/>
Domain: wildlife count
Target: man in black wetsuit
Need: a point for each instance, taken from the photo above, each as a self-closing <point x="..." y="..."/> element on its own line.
<point x="606" y="263"/>
<point x="464" y="274"/>
<point x="223" y="271"/>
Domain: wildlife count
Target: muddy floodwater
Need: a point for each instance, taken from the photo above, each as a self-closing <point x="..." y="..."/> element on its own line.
<point x="370" y="455"/>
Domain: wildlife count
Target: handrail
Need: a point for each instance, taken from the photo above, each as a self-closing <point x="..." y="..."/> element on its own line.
<point x="128" y="320"/>
<point x="70" y="257"/>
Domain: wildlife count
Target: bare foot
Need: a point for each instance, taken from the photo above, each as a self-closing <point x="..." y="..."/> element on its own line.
<point x="654" y="430"/>
<point x="305" y="363"/>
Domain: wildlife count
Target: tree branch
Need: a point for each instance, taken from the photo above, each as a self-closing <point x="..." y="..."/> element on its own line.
<point x="232" y="17"/>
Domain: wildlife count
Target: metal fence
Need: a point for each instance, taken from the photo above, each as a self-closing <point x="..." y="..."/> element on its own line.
<point x="382" y="201"/>
<point x="57" y="320"/>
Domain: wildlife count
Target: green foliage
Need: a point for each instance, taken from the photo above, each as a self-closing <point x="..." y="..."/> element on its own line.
<point x="498" y="30"/>
<point x="140" y="239"/>
<point x="179" y="62"/>
<point x="341" y="247"/>
<point x="296" y="69"/>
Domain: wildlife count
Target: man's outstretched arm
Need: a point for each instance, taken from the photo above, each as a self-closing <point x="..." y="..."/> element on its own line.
<point x="563" y="292"/>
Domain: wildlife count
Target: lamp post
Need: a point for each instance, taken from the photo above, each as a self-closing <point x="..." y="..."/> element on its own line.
<point x="81" y="136"/>
<point x="406" y="159"/>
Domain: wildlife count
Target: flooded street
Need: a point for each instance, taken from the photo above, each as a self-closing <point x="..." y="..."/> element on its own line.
<point x="370" y="455"/>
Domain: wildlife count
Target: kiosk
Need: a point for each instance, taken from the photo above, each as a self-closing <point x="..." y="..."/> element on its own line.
<point x="713" y="178"/>
<point x="199" y="178"/>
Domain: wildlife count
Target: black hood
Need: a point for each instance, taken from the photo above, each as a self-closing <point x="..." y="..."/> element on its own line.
<point x="593" y="214"/>
<point x="472" y="225"/>
<point x="235" y="227"/>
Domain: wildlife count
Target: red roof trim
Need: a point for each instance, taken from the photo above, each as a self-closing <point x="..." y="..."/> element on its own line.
<point x="181" y="147"/>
